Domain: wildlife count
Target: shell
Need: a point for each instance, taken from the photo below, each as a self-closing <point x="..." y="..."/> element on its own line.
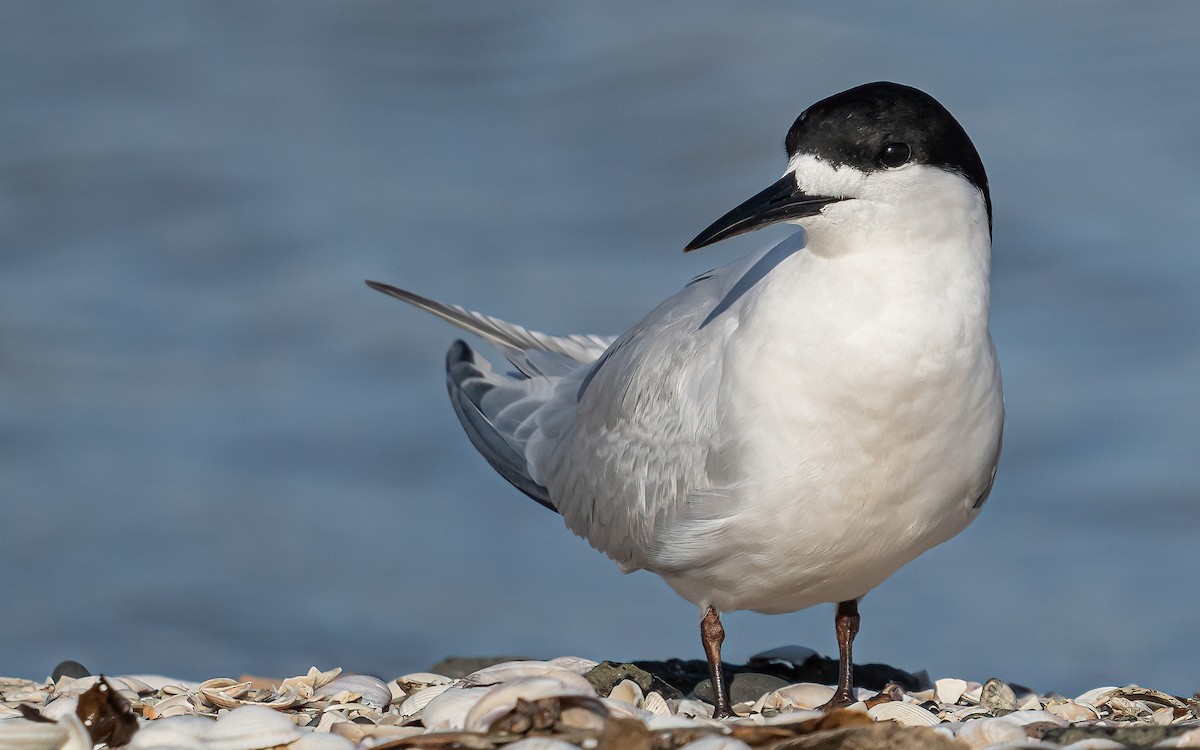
<point x="516" y="670"/>
<point x="501" y="700"/>
<point x="983" y="732"/>
<point x="369" y="690"/>
<point x="1091" y="696"/>
<point x="227" y="693"/>
<point x="908" y="714"/>
<point x="23" y="734"/>
<point x="627" y="691"/>
<point x="251" y="728"/>
<point x="1072" y="711"/>
<point x="448" y="710"/>
<point x="1098" y="743"/>
<point x="414" y="703"/>
<point x="655" y="704"/>
<point x="321" y="741"/>
<point x="60" y="707"/>
<point x="716" y="742"/>
<point x="1025" y="718"/>
<point x="949" y="689"/>
<point x="1187" y="739"/>
<point x="805" y="695"/>
<point x="175" y="731"/>
<point x="540" y="743"/>
<point x="576" y="664"/>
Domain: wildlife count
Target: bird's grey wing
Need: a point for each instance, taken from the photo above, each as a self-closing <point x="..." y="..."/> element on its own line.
<point x="490" y="407"/>
<point x="532" y="352"/>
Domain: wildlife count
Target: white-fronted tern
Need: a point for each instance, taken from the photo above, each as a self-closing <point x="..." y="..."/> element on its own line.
<point x="793" y="427"/>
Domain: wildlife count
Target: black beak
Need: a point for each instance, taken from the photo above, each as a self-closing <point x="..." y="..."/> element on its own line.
<point x="780" y="202"/>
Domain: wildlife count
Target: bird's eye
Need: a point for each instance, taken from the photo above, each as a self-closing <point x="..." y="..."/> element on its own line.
<point x="894" y="154"/>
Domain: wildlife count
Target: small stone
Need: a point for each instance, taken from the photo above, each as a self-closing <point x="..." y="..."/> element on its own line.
<point x="745" y="687"/>
<point x="69" y="668"/>
<point x="997" y="696"/>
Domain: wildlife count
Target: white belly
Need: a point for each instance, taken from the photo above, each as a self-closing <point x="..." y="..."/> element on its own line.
<point x="849" y="453"/>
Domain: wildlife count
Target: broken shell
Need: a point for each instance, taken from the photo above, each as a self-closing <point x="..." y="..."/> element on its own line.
<point x="448" y="710"/>
<point x="806" y="695"/>
<point x="369" y="690"/>
<point x="983" y="732"/>
<point x="412" y="683"/>
<point x="502" y="700"/>
<point x="655" y="704"/>
<point x="908" y="714"/>
<point x="251" y="728"/>
<point x="949" y="690"/>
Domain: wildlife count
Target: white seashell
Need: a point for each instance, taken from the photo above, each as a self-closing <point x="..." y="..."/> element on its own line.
<point x="691" y="708"/>
<point x="949" y="689"/>
<point x="1035" y="717"/>
<point x="908" y="714"/>
<point x="77" y="734"/>
<point x="373" y="735"/>
<point x="1091" y="696"/>
<point x="251" y="728"/>
<point x="516" y="670"/>
<point x="1099" y="743"/>
<point x="627" y="691"/>
<point x="413" y="704"/>
<point x="501" y="700"/>
<point x="655" y="704"/>
<point x="540" y="743"/>
<point x="805" y="695"/>
<point x="60" y="707"/>
<point x="175" y="731"/>
<point x="369" y="690"/>
<point x="1033" y="704"/>
<point x="791" y="717"/>
<point x="448" y="710"/>
<point x="624" y="710"/>
<point x="576" y="664"/>
<point x="321" y="741"/>
<point x="418" y="680"/>
<point x="716" y="742"/>
<point x="24" y="734"/>
<point x="984" y="732"/>
<point x="1072" y="711"/>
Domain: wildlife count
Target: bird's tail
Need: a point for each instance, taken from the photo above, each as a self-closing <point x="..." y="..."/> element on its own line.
<point x="496" y="410"/>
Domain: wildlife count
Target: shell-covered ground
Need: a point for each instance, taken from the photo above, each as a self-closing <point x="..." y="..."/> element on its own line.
<point x="571" y="702"/>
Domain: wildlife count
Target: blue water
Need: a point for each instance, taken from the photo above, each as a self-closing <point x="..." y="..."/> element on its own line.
<point x="221" y="453"/>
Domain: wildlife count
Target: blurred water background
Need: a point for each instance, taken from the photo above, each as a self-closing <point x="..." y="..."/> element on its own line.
<point x="220" y="453"/>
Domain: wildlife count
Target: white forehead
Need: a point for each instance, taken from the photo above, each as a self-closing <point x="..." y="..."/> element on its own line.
<point x="817" y="177"/>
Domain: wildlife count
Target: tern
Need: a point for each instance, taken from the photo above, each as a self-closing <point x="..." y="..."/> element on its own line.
<point x="793" y="427"/>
